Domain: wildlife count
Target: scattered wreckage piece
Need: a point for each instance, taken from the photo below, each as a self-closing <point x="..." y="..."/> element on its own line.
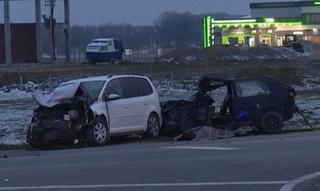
<point x="211" y="133"/>
<point x="204" y="133"/>
<point x="182" y="115"/>
<point x="261" y="102"/>
<point x="177" y="116"/>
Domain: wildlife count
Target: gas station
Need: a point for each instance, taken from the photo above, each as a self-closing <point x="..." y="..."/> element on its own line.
<point x="271" y="23"/>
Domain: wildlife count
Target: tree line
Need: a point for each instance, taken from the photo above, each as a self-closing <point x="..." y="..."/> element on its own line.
<point x="170" y="29"/>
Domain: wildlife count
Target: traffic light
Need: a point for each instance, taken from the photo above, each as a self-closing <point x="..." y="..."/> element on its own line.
<point x="46" y="20"/>
<point x="49" y="3"/>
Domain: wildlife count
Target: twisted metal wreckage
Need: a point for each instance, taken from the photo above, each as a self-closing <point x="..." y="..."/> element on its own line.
<point x="266" y="107"/>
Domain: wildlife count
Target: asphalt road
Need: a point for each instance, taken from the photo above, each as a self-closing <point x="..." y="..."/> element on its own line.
<point x="259" y="163"/>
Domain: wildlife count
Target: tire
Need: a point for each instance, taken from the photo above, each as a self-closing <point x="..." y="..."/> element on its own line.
<point x="98" y="133"/>
<point x="153" y="128"/>
<point x="271" y="122"/>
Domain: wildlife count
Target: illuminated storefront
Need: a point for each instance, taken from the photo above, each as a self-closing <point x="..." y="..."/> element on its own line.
<point x="300" y="20"/>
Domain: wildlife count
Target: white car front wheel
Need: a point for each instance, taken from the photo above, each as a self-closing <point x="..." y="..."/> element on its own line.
<point x="98" y="133"/>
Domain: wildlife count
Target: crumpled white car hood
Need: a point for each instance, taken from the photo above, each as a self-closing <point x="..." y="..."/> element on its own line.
<point x="63" y="91"/>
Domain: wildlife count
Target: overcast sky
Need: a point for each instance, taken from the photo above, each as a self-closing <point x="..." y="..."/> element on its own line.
<point x="95" y="12"/>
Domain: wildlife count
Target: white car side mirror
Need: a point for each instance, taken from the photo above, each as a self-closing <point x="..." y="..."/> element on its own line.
<point x="113" y="97"/>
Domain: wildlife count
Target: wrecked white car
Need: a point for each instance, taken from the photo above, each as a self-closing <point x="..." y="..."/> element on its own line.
<point x="92" y="109"/>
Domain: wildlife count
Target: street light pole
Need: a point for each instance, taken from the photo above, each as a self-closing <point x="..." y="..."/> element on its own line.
<point x="7" y="31"/>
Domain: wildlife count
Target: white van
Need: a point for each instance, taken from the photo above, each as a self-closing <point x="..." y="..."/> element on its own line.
<point x="104" y="50"/>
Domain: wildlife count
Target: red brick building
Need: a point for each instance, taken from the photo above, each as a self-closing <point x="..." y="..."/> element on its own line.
<point x="23" y="43"/>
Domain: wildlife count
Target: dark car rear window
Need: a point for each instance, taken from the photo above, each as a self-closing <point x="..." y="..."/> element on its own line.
<point x="251" y="88"/>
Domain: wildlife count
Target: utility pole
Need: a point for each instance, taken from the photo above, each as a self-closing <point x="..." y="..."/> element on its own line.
<point x="67" y="29"/>
<point x="53" y="30"/>
<point x="51" y="4"/>
<point x="38" y="29"/>
<point x="7" y="32"/>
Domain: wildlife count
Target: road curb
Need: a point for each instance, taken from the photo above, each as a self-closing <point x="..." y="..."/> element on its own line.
<point x="292" y="184"/>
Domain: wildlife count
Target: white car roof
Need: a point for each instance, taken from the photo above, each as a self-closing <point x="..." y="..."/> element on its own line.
<point x="88" y="79"/>
<point x="102" y="78"/>
<point x="68" y="89"/>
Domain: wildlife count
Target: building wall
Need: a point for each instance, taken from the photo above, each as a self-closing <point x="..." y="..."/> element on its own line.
<point x="288" y="12"/>
<point x="314" y="9"/>
<point x="2" y="45"/>
<point x="23" y="43"/>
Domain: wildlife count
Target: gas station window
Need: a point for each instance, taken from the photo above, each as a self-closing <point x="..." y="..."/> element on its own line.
<point x="312" y="18"/>
<point x="307" y="18"/>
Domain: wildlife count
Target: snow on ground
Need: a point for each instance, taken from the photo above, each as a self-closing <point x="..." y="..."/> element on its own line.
<point x="309" y="103"/>
<point x="16" y="107"/>
<point x="14" y="94"/>
<point x="15" y="115"/>
<point x="236" y="54"/>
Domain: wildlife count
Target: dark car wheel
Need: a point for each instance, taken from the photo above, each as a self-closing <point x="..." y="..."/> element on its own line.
<point x="271" y="122"/>
<point x="153" y="128"/>
<point x="98" y="133"/>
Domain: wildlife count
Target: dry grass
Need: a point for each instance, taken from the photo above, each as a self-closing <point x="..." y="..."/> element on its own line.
<point x="284" y="70"/>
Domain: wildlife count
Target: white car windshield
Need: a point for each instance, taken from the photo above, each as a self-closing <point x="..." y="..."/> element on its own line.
<point x="93" y="88"/>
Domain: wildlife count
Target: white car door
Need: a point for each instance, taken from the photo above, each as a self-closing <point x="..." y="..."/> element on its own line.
<point x="135" y="103"/>
<point x="118" y="109"/>
<point x="146" y="98"/>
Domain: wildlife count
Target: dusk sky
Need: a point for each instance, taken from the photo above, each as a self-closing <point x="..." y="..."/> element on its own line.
<point x="95" y="12"/>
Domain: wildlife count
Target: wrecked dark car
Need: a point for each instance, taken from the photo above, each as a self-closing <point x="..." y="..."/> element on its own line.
<point x="261" y="102"/>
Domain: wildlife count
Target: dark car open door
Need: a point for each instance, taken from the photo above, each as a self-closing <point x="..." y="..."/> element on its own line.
<point x="251" y="95"/>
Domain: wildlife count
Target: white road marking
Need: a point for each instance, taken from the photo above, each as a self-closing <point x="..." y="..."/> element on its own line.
<point x="290" y="186"/>
<point x="54" y="187"/>
<point x="202" y="148"/>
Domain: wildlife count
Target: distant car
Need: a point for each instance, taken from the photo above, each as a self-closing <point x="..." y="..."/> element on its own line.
<point x="104" y="50"/>
<point x="94" y="109"/>
<point x="261" y="102"/>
